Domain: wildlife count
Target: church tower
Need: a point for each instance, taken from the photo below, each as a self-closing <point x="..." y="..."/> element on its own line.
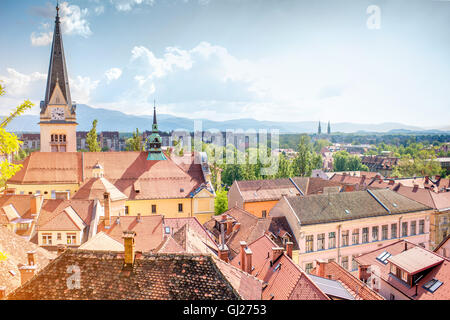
<point x="58" y="117"/>
<point x="153" y="144"/>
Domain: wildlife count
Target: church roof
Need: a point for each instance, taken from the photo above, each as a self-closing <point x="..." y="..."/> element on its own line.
<point x="57" y="72"/>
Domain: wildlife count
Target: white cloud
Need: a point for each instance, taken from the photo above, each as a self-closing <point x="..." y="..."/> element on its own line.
<point x="18" y="84"/>
<point x="99" y="10"/>
<point x="113" y="74"/>
<point x="73" y="20"/>
<point x="82" y="88"/>
<point x="41" y="39"/>
<point x="127" y="5"/>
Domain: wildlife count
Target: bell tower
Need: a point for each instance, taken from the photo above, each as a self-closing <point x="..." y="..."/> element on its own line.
<point x="58" y="117"/>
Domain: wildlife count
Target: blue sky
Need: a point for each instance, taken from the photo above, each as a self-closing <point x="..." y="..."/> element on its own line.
<point x="285" y="60"/>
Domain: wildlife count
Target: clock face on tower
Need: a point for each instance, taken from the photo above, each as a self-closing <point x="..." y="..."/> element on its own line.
<point x="57" y="113"/>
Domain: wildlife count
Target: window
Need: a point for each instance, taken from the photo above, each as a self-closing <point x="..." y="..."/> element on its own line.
<point x="432" y="285"/>
<point x="71" y="238"/>
<point x="374" y="233"/>
<point x="153" y="208"/>
<point x="308" y="267"/>
<point x="345" y="238"/>
<point x="47" y="238"/>
<point x="309" y="243"/>
<point x="331" y="240"/>
<point x="393" y="231"/>
<point x="180" y="207"/>
<point x="365" y="235"/>
<point x="53" y="194"/>
<point x="354" y="264"/>
<point x="355" y="236"/>
<point x="404" y="276"/>
<point x="344" y="263"/>
<point x="264" y="213"/>
<point x="383" y="257"/>
<point x="126" y="210"/>
<point x="393" y="269"/>
<point x="58" y="236"/>
<point x="413" y="228"/>
<point x="384" y="232"/>
<point x="404" y="229"/>
<point x="321" y="241"/>
<point x="167" y="230"/>
<point x="421" y="226"/>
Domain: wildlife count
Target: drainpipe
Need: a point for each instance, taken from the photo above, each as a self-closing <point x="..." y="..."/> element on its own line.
<point x="399" y="227"/>
<point x="339" y="245"/>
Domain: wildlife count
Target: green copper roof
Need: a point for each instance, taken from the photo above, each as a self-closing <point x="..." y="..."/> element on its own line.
<point x="156" y="156"/>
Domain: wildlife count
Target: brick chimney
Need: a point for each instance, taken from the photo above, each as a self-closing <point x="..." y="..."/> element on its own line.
<point x="26" y="273"/>
<point x="35" y="204"/>
<point x="248" y="260"/>
<point x="128" y="243"/>
<point x="224" y="216"/>
<point x="31" y="258"/>
<point x="229" y="227"/>
<point x="2" y="292"/>
<point x="242" y="253"/>
<point x="276" y="253"/>
<point x="320" y="268"/>
<point x="107" y="206"/>
<point x="223" y="252"/>
<point x="289" y="246"/>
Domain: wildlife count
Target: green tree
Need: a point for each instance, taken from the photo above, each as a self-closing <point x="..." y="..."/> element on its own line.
<point x="221" y="202"/>
<point x="9" y="142"/>
<point x="91" y="138"/>
<point x="302" y="165"/>
<point x="134" y="143"/>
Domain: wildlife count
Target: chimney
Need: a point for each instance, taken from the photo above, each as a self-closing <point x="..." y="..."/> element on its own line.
<point x="229" y="226"/>
<point x="276" y="253"/>
<point x="35" y="203"/>
<point x="391" y="182"/>
<point x="406" y="246"/>
<point x="107" y="206"/>
<point x="237" y="226"/>
<point x="128" y="243"/>
<point x="248" y="260"/>
<point x="320" y="268"/>
<point x="224" y="216"/>
<point x="31" y="258"/>
<point x="289" y="246"/>
<point x="26" y="273"/>
<point x="243" y="246"/>
<point x="416" y="186"/>
<point x="138" y="218"/>
<point x="223" y="252"/>
<point x="2" y="292"/>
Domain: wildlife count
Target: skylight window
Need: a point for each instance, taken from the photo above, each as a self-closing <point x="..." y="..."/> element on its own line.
<point x="277" y="267"/>
<point x="347" y="211"/>
<point x="432" y="285"/>
<point x="383" y="257"/>
<point x="167" y="230"/>
<point x="394" y="204"/>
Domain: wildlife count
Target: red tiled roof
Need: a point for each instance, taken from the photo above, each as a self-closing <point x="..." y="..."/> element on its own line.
<point x="15" y="247"/>
<point x="356" y="287"/>
<point x="169" y="178"/>
<point x="152" y="277"/>
<point x="440" y="272"/>
<point x="149" y="231"/>
<point x="285" y="280"/>
<point x="53" y="216"/>
<point x="20" y="202"/>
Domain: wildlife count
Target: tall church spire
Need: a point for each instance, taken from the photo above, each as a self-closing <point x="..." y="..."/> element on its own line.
<point x="155" y="124"/>
<point x="154" y="141"/>
<point x="57" y="71"/>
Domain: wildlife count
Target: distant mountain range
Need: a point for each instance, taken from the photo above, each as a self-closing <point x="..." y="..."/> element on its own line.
<point x="110" y="120"/>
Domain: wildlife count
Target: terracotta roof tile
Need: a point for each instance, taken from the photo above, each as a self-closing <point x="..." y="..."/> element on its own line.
<point x="152" y="277"/>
